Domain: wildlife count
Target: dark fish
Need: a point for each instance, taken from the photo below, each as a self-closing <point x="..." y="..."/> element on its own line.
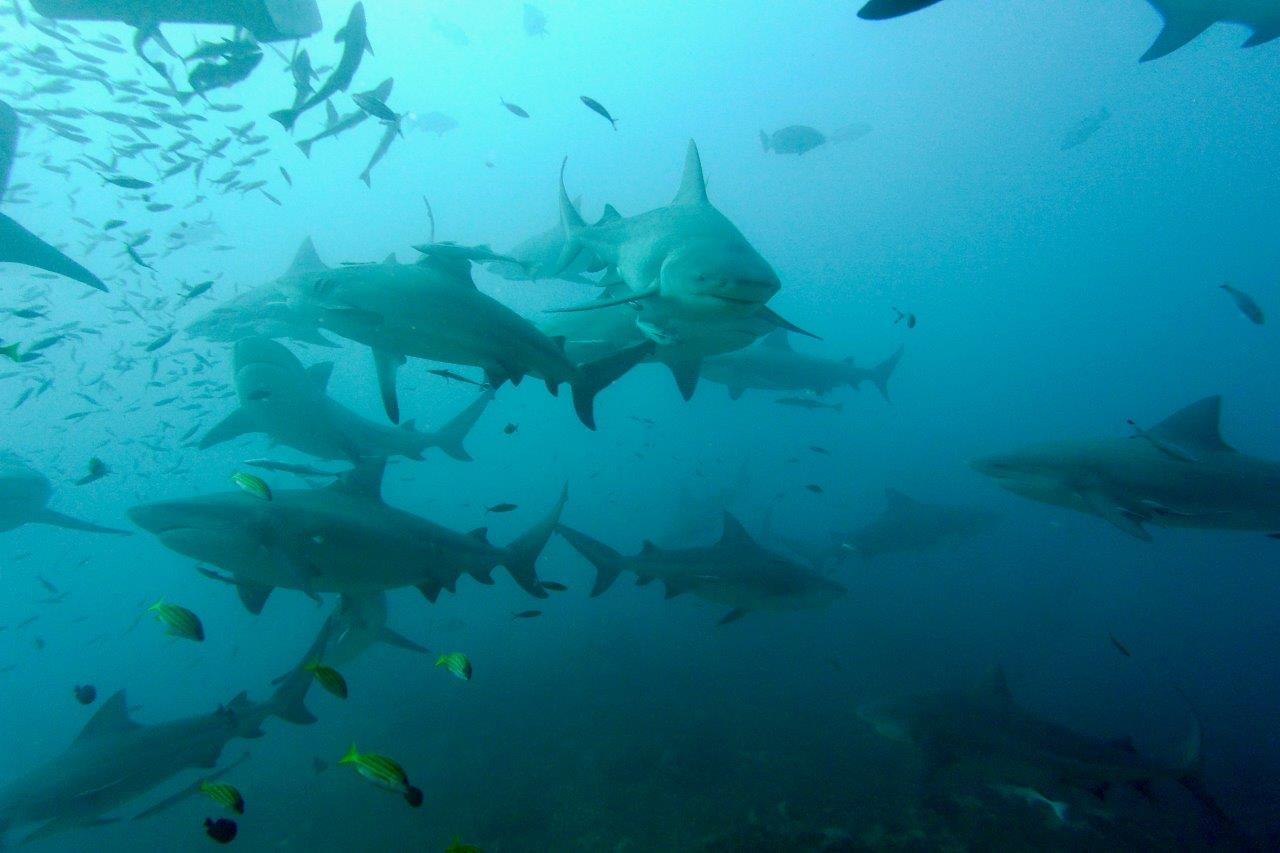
<point x="85" y="693"/>
<point x="374" y="106"/>
<point x="97" y="470"/>
<point x="1120" y="647"/>
<point x="820" y="450"/>
<point x="911" y="318"/>
<point x="815" y="488"/>
<point x="796" y="139"/>
<point x="449" y="374"/>
<point x="598" y="108"/>
<point x="510" y="428"/>
<point x="514" y="109"/>
<point x="127" y="182"/>
<point x="526" y="614"/>
<point x="1245" y="303"/>
<point x="218" y="75"/>
<point x="288" y="180"/>
<point x="501" y="508"/>
<point x="223" y="830"/>
<point x="159" y="342"/>
<point x="354" y="43"/>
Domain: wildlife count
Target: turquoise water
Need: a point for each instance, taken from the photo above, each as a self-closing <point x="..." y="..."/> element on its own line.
<point x="1054" y="216"/>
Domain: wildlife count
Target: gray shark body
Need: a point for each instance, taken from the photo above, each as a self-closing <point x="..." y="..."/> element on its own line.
<point x="24" y="493"/>
<point x="735" y="571"/>
<point x="538" y="257"/>
<point x="289" y="403"/>
<point x="907" y="525"/>
<point x="115" y="760"/>
<point x="1179" y="473"/>
<point x="772" y="365"/>
<point x="359" y="622"/>
<point x="341" y="538"/>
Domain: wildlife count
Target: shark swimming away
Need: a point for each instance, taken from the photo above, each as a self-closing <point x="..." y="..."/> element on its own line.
<point x="908" y="525"/>
<point x="1179" y="473"/>
<point x="736" y="571"/>
<point x="772" y="365"/>
<point x="24" y="493"/>
<point x="289" y="404"/>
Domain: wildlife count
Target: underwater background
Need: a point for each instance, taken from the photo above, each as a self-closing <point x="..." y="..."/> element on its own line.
<point x="1055" y="293"/>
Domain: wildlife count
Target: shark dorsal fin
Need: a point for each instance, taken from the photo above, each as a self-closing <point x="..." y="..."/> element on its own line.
<point x="647" y="548"/>
<point x="1195" y="427"/>
<point x="777" y="339"/>
<point x="995" y="685"/>
<point x="389" y="260"/>
<point x="896" y="500"/>
<point x="734" y="533"/>
<point x="480" y="534"/>
<point x="111" y="718"/>
<point x="320" y="374"/>
<point x="693" y="188"/>
<point x="610" y="214"/>
<point x="364" y="480"/>
<point x="306" y="260"/>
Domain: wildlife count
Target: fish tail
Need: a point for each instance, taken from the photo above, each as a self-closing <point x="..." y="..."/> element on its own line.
<point x="572" y="225"/>
<point x="352" y="756"/>
<point x="11" y="352"/>
<point x="879" y="375"/>
<point x="286" y="118"/>
<point x="594" y="376"/>
<point x="608" y="562"/>
<point x="1191" y="765"/>
<point x="289" y="701"/>
<point x="522" y="555"/>
<point x="449" y="437"/>
<point x="305" y="147"/>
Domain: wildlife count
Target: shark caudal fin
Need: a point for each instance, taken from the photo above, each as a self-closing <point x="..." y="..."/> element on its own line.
<point x="1181" y="25"/>
<point x="57" y="519"/>
<point x="1190" y="764"/>
<point x="880" y="10"/>
<point x="288" y="702"/>
<point x="521" y="556"/>
<point x="607" y="561"/>
<point x="594" y="376"/>
<point x="449" y="437"/>
<point x="879" y="375"/>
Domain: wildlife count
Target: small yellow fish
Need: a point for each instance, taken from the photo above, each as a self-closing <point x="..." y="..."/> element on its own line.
<point x="223" y="794"/>
<point x="180" y="621"/>
<point x="456" y="846"/>
<point x="255" y="486"/>
<point x="457" y="663"/>
<point x="330" y="679"/>
<point x="383" y="772"/>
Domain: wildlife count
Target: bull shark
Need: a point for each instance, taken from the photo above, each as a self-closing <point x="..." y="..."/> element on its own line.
<point x="17" y="244"/>
<point x="1184" y="20"/>
<point x="538" y="257"/>
<point x="287" y="402"/>
<point x="340" y="538"/>
<point x="735" y="571"/>
<point x="359" y="622"/>
<point x="1179" y="473"/>
<point x="432" y="309"/>
<point x="909" y="525"/>
<point x="982" y="730"/>
<point x="772" y="365"/>
<point x="24" y="493"/>
<point x="114" y="760"/>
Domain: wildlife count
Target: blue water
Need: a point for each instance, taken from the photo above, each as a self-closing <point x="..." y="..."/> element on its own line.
<point x="1058" y="293"/>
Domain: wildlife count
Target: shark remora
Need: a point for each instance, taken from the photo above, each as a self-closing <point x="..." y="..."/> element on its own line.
<point x="115" y="760"/>
<point x="17" y="244"/>
<point x="772" y="365"/>
<point x="289" y="403"/>
<point x="735" y="571"/>
<point x="910" y="525"/>
<point x="1183" y="19"/>
<point x="1179" y="473"/>
<point x="341" y="538"/>
<point x="24" y="493"/>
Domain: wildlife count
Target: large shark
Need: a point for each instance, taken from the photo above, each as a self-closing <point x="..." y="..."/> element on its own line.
<point x="287" y="402"/>
<point x="1179" y="473"/>
<point x="1184" y="20"/>
<point x="114" y="760"/>
<point x="341" y="538"/>
<point x="984" y="732"/>
<point x="538" y="257"/>
<point x="24" y="493"/>
<point x="909" y="525"/>
<point x="17" y="244"/>
<point x="772" y="365"/>
<point x="735" y="571"/>
<point x="433" y="310"/>
<point x="359" y="622"/>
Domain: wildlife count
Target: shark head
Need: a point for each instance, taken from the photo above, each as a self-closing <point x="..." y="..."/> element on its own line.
<point x="266" y="372"/>
<point x="722" y="276"/>
<point x="217" y="529"/>
<point x="1041" y="472"/>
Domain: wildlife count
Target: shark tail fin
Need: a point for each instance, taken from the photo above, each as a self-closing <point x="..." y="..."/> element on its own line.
<point x="1191" y="765"/>
<point x="572" y="226"/>
<point x="1179" y="29"/>
<point x="522" y="555"/>
<point x="607" y="561"/>
<point x="879" y="375"/>
<point x="594" y="376"/>
<point x="449" y="437"/>
<point x="289" y="701"/>
<point x="20" y="246"/>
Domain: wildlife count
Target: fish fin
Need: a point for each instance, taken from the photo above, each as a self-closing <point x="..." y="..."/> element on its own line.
<point x="735" y="392"/>
<point x="879" y="375"/>
<point x="880" y="10"/>
<point x="391" y="638"/>
<point x="693" y="187"/>
<point x="686" y="376"/>
<point x="364" y="480"/>
<point x="777" y="339"/>
<point x="20" y="246"/>
<point x="190" y="790"/>
<point x="626" y="298"/>
<point x="571" y="225"/>
<point x="449" y="437"/>
<point x="285" y="117"/>
<point x="594" y="376"/>
<point x="253" y="595"/>
<point x="1194" y="427"/>
<point x="607" y="562"/>
<point x="320" y="373"/>
<point x="1179" y="29"/>
<point x="110" y="719"/>
<point x="58" y="519"/>
<point x="1262" y="35"/>
<point x="521" y="556"/>
<point x="647" y="548"/>
<point x="288" y="702"/>
<point x="768" y="314"/>
<point x="1123" y="520"/>
<point x="305" y="147"/>
<point x="306" y="260"/>
<point x="732" y="616"/>
<point x="234" y="425"/>
<point x="610" y="214"/>
<point x="671" y="587"/>
<point x="734" y="533"/>
<point x="331" y="116"/>
<point x="386" y="364"/>
<point x="431" y="589"/>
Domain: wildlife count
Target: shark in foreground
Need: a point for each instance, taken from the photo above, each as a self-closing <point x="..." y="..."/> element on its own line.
<point x="1179" y="473"/>
<point x="341" y="538"/>
<point x="24" y="493"/>
<point x="772" y="365"/>
<point x="1184" y="20"/>
<point x="114" y="760"/>
<point x="982" y="732"/>
<point x="736" y="571"/>
<point x="907" y="524"/>
<point x="17" y="244"/>
<point x="288" y="402"/>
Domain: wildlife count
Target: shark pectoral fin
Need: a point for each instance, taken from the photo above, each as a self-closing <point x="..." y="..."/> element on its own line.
<point x="767" y="313"/>
<point x="391" y="638"/>
<point x="57" y="519"/>
<point x="20" y="246"/>
<point x="253" y="595"/>
<point x="1104" y="507"/>
<point x="676" y="586"/>
<point x="232" y="426"/>
<point x="625" y="299"/>
<point x="686" y="376"/>
<point x="732" y="616"/>
<point x="319" y="374"/>
<point x="431" y="589"/>
<point x="386" y="364"/>
<point x="594" y="376"/>
<point x="1262" y="35"/>
<point x="1179" y="29"/>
